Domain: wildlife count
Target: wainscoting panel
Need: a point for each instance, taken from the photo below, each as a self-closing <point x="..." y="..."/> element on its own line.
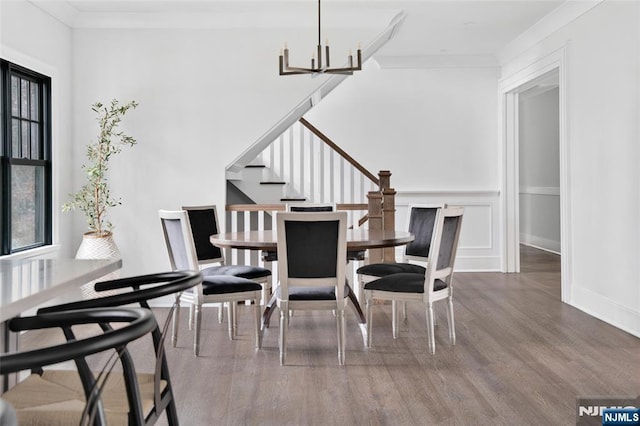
<point x="479" y="248"/>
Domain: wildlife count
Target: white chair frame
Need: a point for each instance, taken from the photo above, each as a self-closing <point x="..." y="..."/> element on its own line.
<point x="197" y="299"/>
<point x="338" y="282"/>
<point x="429" y="296"/>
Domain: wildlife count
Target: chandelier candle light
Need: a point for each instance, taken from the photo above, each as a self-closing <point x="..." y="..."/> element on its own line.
<point x="321" y="68"/>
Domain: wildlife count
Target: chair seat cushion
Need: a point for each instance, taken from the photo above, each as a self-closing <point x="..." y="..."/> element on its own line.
<point x="243" y="271"/>
<point x="56" y="398"/>
<point x="403" y="283"/>
<point x="355" y="254"/>
<point x="222" y="284"/>
<point x="314" y="293"/>
<point x="269" y="256"/>
<point x="272" y="256"/>
<point x="384" y="269"/>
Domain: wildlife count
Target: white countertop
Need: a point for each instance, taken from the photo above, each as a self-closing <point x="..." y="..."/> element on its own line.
<point x="28" y="283"/>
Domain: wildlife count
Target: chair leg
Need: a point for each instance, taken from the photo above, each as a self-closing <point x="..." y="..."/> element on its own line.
<point x="175" y="322"/>
<point x="284" y="324"/>
<point x="220" y="313"/>
<point x="196" y="329"/>
<point x="430" y="329"/>
<point x="341" y="336"/>
<point x="404" y="311"/>
<point x="450" y="319"/>
<point x="230" y="318"/>
<point x="191" y="317"/>
<point x="256" y="308"/>
<point x="394" y="319"/>
<point x="172" y="412"/>
<point x="369" y="311"/>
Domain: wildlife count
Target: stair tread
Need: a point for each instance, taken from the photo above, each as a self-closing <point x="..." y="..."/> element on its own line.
<point x="293" y="199"/>
<point x="273" y="183"/>
<point x="255" y="166"/>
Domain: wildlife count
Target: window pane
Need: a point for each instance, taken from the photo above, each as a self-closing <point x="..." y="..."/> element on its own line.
<point x="35" y="143"/>
<point x="26" y="140"/>
<point x="24" y="98"/>
<point x="34" y="100"/>
<point x="15" y="97"/>
<point x="15" y="138"/>
<point x="27" y="206"/>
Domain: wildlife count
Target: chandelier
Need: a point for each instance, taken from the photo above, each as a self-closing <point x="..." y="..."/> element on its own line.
<point x="318" y="67"/>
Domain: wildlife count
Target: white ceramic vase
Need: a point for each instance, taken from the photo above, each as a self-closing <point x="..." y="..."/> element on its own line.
<point x="98" y="247"/>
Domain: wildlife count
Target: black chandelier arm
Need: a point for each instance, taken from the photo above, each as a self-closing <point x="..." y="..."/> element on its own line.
<point x="285" y="69"/>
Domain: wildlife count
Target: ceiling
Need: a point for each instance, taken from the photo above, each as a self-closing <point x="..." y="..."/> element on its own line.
<point x="431" y="27"/>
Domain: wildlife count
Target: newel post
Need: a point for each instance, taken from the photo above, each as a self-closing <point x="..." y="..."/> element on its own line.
<point x="375" y="222"/>
<point x="389" y="220"/>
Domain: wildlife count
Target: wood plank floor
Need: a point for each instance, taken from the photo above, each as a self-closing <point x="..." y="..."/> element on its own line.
<point x="522" y="358"/>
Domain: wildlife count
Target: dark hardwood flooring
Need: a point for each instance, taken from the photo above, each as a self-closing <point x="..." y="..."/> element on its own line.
<point x="522" y="358"/>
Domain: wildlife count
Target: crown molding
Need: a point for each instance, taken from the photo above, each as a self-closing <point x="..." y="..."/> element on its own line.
<point x="211" y="19"/>
<point x="558" y="18"/>
<point x="436" y="61"/>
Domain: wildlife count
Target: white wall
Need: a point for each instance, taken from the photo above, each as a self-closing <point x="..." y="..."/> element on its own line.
<point x="205" y="95"/>
<point x="539" y="152"/>
<point x="46" y="48"/>
<point x="603" y="93"/>
<point x="436" y="130"/>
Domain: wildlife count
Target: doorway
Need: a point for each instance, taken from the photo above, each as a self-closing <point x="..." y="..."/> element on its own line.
<point x="539" y="173"/>
<point x="545" y="75"/>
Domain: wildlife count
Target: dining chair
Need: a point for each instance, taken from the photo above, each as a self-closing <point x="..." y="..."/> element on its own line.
<point x="203" y="221"/>
<point x="356" y="255"/>
<point x="155" y="387"/>
<point x="311" y="267"/>
<point x="420" y="223"/>
<point x="352" y="255"/>
<point x="433" y="285"/>
<point x="63" y="397"/>
<point x="219" y="289"/>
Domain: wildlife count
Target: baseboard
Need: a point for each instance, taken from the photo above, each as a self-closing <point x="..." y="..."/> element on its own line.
<point x="607" y="310"/>
<point x="477" y="264"/>
<point x="540" y="243"/>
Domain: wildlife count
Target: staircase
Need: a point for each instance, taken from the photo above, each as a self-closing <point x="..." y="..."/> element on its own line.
<point x="303" y="164"/>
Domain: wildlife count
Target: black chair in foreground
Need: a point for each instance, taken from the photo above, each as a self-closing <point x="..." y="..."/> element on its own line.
<point x="156" y="389"/>
<point x="311" y="268"/>
<point x="60" y="398"/>
<point x="433" y="285"/>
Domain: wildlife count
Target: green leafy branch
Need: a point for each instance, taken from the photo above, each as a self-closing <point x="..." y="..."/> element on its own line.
<point x="94" y="198"/>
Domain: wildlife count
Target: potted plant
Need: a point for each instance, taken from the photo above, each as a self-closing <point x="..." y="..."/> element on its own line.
<point x="94" y="199"/>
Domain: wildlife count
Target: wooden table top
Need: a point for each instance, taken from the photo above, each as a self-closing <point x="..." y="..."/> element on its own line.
<point x="357" y="239"/>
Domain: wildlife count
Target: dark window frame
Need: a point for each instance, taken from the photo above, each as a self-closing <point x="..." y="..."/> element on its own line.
<point x="7" y="70"/>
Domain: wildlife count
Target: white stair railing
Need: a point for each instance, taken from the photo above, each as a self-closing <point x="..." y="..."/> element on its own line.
<point x="315" y="168"/>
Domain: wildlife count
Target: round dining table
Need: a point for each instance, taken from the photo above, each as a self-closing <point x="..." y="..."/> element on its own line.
<point x="357" y="240"/>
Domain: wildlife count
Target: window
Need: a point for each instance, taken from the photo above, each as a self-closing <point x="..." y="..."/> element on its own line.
<point x="25" y="163"/>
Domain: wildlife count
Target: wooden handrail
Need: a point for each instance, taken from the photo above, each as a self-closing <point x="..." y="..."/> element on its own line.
<point x="281" y="207"/>
<point x="340" y="151"/>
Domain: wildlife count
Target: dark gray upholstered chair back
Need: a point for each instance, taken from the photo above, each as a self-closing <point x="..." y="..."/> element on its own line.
<point x="176" y="244"/>
<point x="309" y="207"/>
<point x="421" y="223"/>
<point x="449" y="241"/>
<point x="312" y="248"/>
<point x="177" y="238"/>
<point x="204" y="223"/>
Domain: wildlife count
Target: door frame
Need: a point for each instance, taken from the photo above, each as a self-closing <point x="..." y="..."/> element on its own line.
<point x="509" y="89"/>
